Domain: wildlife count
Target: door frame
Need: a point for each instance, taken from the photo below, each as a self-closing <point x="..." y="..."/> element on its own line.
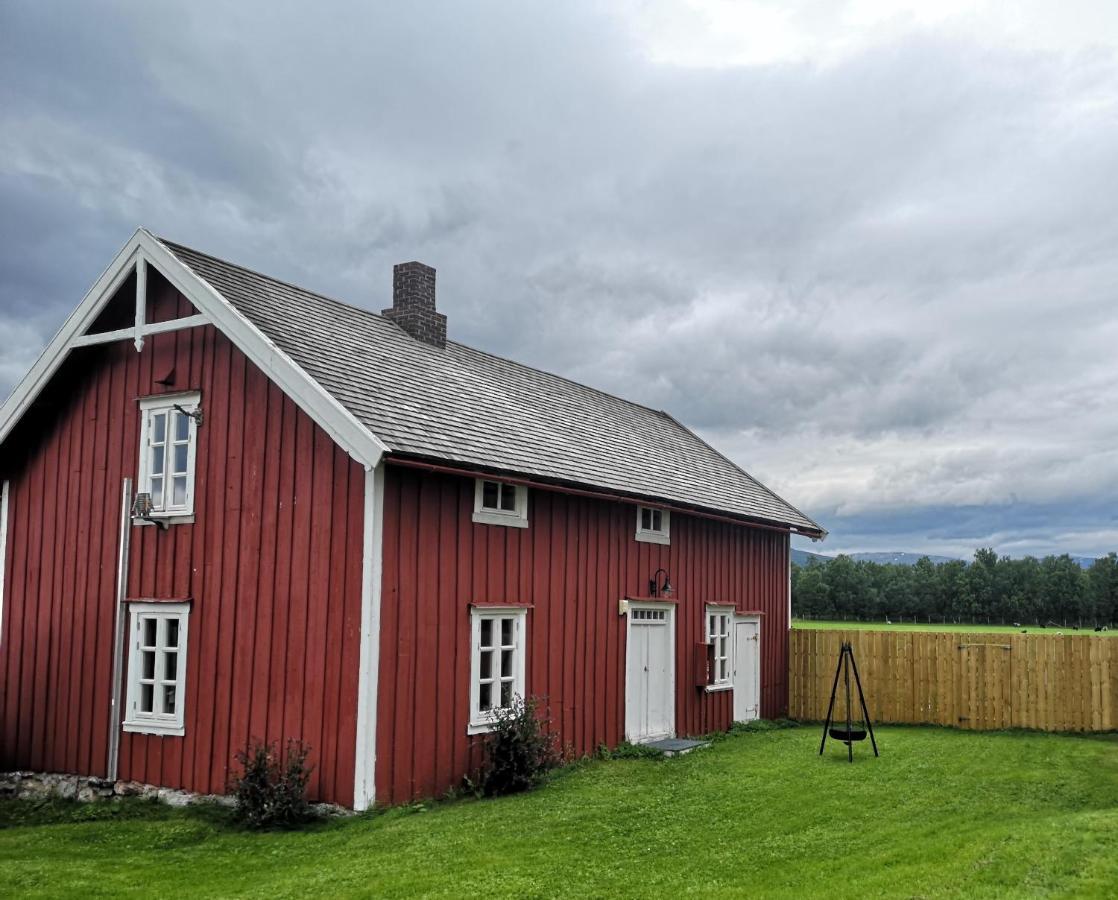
<point x="758" y="619"/>
<point x="670" y="608"/>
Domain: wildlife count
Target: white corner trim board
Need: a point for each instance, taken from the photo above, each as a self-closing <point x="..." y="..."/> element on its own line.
<point x="365" y="761"/>
<point x="141" y="251"/>
<point x="4" y="488"/>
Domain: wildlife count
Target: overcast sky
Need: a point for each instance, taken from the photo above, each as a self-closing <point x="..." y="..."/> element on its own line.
<point x="868" y="249"/>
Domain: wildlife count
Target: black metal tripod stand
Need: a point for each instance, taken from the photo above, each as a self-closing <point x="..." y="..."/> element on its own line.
<point x="849" y="734"/>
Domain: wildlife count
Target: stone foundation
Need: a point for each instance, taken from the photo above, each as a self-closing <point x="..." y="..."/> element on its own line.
<point x="89" y="789"/>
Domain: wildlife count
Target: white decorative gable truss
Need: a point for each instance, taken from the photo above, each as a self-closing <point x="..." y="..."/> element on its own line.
<point x="144" y="250"/>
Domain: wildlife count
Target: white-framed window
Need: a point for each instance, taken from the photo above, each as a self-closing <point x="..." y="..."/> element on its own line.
<point x="168" y="447"/>
<point x="653" y="525"/>
<point x="500" y="503"/>
<point x="498" y="645"/>
<point x="156" y="667"/>
<point x="719" y="622"/>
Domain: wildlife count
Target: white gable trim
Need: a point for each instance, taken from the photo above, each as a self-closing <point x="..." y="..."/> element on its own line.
<point x="145" y="249"/>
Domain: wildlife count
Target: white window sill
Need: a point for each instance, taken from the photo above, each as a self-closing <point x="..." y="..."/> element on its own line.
<point x="715" y="688"/>
<point x="156" y="728"/>
<point x="480" y="727"/>
<point x="510" y="520"/>
<point x="653" y="537"/>
<point x="169" y="518"/>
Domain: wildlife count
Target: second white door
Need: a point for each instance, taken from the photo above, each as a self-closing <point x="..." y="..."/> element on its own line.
<point x="747" y="669"/>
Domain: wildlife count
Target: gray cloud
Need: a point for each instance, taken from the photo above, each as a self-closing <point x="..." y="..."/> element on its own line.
<point x="884" y="283"/>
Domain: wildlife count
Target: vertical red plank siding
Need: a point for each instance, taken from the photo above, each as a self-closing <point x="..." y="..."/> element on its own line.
<point x="272" y="564"/>
<point x="573" y="564"/>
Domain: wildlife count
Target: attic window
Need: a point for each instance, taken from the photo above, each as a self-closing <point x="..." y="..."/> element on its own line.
<point x="653" y="525"/>
<point x="168" y="442"/>
<point x="500" y="503"/>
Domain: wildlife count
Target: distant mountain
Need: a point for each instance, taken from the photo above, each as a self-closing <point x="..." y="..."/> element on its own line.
<point x="805" y="557"/>
<point x="898" y="557"/>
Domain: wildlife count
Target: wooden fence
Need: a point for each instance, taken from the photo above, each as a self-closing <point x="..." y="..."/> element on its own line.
<point x="964" y="679"/>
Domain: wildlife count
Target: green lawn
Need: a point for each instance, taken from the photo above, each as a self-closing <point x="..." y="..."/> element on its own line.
<point x="941" y="813"/>
<point x="936" y="626"/>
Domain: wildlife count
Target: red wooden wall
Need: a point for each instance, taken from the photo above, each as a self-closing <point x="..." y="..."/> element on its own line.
<point x="574" y="562"/>
<point x="273" y="564"/>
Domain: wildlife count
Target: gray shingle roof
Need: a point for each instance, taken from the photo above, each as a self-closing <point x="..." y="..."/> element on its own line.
<point x="472" y="408"/>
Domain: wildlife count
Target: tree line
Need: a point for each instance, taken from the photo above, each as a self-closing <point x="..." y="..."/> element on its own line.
<point x="1030" y="591"/>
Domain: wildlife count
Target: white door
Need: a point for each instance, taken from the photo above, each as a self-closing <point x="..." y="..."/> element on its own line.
<point x="650" y="696"/>
<point x="747" y="669"/>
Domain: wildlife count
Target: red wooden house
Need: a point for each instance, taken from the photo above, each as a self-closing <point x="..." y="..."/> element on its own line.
<point x="236" y="509"/>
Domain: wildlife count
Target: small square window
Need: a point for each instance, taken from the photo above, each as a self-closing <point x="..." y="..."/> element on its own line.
<point x="500" y="503"/>
<point x="168" y="447"/>
<point x="156" y="668"/>
<point x="653" y="525"/>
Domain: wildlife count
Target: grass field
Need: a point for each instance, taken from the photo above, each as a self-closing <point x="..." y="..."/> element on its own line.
<point x="941" y="813"/>
<point x="938" y="626"/>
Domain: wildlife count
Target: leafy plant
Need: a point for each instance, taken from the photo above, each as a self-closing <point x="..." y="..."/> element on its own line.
<point x="519" y="752"/>
<point x="271" y="791"/>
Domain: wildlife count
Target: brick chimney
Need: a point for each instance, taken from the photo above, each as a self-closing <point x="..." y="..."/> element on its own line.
<point x="413" y="303"/>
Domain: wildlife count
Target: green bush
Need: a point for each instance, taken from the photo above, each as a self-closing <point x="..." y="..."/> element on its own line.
<point x="519" y="751"/>
<point x="271" y="791"/>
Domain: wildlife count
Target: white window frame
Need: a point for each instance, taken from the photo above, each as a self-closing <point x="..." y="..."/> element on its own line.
<point x="484" y="720"/>
<point x="156" y="722"/>
<point x="517" y="517"/>
<point x="725" y="614"/>
<point x="661" y="535"/>
<point x="166" y="403"/>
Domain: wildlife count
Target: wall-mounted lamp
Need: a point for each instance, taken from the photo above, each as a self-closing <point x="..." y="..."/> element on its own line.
<point x="195" y="414"/>
<point x="655" y="588"/>
<point x="142" y="509"/>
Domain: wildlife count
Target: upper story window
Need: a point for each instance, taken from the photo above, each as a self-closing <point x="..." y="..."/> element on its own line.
<point x="718" y="634"/>
<point x="500" y="503"/>
<point x="497" y="650"/>
<point x="653" y="525"/>
<point x="157" y="668"/>
<point x="168" y="446"/>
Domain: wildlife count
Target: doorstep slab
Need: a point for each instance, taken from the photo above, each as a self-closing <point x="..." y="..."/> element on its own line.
<point x="676" y="746"/>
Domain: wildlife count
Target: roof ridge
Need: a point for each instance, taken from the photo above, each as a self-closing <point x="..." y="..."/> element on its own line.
<point x="172" y="245"/>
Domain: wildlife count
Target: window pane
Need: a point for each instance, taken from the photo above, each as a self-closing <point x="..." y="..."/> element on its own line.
<point x="157" y="492"/>
<point x="182" y="427"/>
<point x="147" y="664"/>
<point x="489" y="492"/>
<point x="506" y="632"/>
<point x="486" y="632"/>
<point x="180" y="459"/>
<point x="172" y="633"/>
<point x="147" y="695"/>
<point x="657" y="519"/>
<point x="169" y="699"/>
<point x="506" y="693"/>
<point x="485" y="697"/>
<point x="156" y="460"/>
<point x="713" y="626"/>
<point x="158" y="428"/>
<point x="646" y="519"/>
<point x="508" y="497"/>
<point x="179" y="483"/>
<point x="486" y="664"/>
<point x="506" y="662"/>
<point x="148" y="631"/>
<point x="170" y="666"/>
